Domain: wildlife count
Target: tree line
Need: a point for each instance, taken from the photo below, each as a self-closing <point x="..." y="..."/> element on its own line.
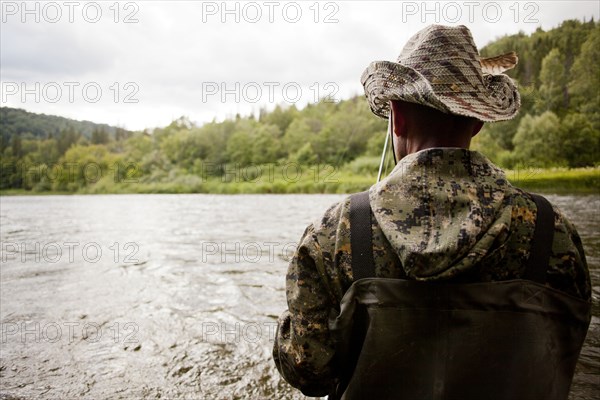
<point x="559" y="81"/>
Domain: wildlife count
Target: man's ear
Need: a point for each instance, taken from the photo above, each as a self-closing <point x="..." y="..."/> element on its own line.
<point x="476" y="128"/>
<point x="398" y="120"/>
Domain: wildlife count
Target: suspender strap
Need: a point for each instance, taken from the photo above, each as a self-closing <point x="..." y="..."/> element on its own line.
<point x="361" y="236"/>
<point x="541" y="244"/>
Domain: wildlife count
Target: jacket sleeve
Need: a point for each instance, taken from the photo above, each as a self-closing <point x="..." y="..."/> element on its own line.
<point x="303" y="350"/>
<point x="568" y="270"/>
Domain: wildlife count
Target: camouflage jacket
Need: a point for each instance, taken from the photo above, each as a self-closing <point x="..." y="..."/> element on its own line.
<point x="440" y="214"/>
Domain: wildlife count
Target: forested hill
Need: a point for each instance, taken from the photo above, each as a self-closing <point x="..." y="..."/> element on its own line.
<point x="28" y="125"/>
<point x="559" y="81"/>
<point x="558" y="126"/>
<point x="532" y="49"/>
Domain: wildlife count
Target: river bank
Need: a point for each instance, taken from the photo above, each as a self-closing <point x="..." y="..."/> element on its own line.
<point x="323" y="181"/>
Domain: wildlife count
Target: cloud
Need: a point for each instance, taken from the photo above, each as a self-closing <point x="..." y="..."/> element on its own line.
<point x="42" y="51"/>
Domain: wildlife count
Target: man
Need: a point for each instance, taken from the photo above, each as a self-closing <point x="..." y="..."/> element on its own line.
<point x="445" y="214"/>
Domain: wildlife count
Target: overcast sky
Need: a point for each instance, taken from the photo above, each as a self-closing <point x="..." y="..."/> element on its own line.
<point x="141" y="64"/>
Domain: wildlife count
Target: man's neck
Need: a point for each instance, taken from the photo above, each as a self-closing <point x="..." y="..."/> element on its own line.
<point x="429" y="144"/>
<point x="422" y="142"/>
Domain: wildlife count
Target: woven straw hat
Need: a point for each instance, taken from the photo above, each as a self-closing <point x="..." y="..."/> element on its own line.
<point x="440" y="67"/>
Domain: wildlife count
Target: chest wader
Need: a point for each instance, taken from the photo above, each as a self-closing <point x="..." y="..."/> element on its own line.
<point x="509" y="340"/>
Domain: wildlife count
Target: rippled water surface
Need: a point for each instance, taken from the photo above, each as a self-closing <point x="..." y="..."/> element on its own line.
<point x="148" y="296"/>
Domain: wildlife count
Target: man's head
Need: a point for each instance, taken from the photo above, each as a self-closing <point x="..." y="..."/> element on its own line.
<point x="416" y="127"/>
<point x="440" y="68"/>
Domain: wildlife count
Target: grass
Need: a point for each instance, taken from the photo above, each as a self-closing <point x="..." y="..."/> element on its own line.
<point x="555" y="180"/>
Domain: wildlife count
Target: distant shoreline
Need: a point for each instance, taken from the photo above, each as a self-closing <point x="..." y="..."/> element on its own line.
<point x="554" y="180"/>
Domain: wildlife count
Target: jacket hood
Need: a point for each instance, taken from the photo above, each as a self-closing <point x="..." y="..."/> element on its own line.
<point x="443" y="210"/>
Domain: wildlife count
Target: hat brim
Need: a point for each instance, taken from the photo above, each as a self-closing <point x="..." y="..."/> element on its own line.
<point x="497" y="100"/>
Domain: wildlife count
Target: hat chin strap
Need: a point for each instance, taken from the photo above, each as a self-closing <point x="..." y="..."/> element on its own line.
<point x="385" y="145"/>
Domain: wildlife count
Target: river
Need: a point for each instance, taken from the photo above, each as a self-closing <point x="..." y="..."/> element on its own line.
<point x="172" y="296"/>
